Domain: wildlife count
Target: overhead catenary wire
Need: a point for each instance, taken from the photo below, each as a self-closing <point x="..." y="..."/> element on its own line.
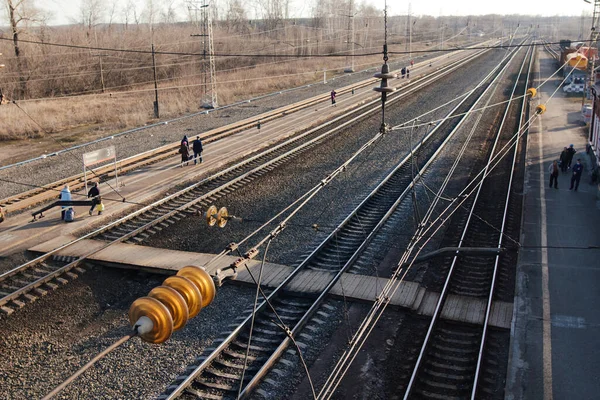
<point x="500" y="46"/>
<point x="383" y="298"/>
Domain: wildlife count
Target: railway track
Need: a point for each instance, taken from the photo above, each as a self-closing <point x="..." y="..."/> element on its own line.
<point x="218" y="374"/>
<point x="25" y="283"/>
<point x="454" y="357"/>
<point x="76" y="183"/>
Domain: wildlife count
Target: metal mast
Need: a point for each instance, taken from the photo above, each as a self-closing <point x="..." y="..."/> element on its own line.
<point x="208" y="97"/>
<point x="212" y="88"/>
<point x="350" y="39"/>
<point x="408" y="40"/>
<point x="594" y="37"/>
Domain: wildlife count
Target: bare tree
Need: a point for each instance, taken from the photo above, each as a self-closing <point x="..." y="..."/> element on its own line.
<point x="235" y="16"/>
<point x="21" y="12"/>
<point x="91" y="13"/>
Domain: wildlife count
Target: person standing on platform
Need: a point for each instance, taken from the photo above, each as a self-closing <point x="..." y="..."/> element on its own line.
<point x="403" y="72"/>
<point x="333" y="94"/>
<point x="553" y="169"/>
<point x="197" y="147"/>
<point x="185" y="140"/>
<point x="576" y="177"/>
<point x="564" y="159"/>
<point x="65" y="195"/>
<point x="570" y="153"/>
<point x="94" y="193"/>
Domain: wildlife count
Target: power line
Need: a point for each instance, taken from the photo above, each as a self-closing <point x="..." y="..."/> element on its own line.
<point x="500" y="46"/>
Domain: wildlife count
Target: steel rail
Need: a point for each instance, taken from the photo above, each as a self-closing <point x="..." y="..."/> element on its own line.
<point x="174" y="392"/>
<point x="444" y="292"/>
<point x="504" y="217"/>
<point x="363" y="110"/>
<point x="328" y="390"/>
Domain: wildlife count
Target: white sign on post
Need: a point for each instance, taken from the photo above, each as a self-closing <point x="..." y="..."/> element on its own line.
<point x="97" y="157"/>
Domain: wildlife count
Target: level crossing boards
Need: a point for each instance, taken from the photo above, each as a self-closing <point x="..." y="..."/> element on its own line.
<point x="352" y="287"/>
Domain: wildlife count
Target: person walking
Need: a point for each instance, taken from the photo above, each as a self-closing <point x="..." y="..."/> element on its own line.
<point x="570" y="153"/>
<point x="94" y="193"/>
<point x="197" y="147"/>
<point x="333" y="94"/>
<point x="403" y="72"/>
<point x="65" y="195"/>
<point x="564" y="157"/>
<point x="576" y="177"/>
<point x="184" y="150"/>
<point x="553" y="169"/>
<point x="185" y="140"/>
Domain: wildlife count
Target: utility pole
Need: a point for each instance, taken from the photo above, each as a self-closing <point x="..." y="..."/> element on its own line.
<point x="350" y="40"/>
<point x="100" y="60"/>
<point x="156" y="113"/>
<point x="209" y="93"/>
<point x="408" y="39"/>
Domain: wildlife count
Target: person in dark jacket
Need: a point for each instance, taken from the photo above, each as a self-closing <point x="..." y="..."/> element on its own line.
<point x="94" y="193"/>
<point x="576" y="177"/>
<point x="185" y="140"/>
<point x="197" y="146"/>
<point x="564" y="157"/>
<point x="332" y="95"/>
<point x="403" y="72"/>
<point x="185" y="154"/>
<point x="570" y="153"/>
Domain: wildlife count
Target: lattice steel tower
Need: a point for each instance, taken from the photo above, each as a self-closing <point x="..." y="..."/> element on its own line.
<point x="208" y="97"/>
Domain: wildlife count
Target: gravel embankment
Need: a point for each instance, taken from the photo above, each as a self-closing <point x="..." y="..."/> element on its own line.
<point x="48" y="340"/>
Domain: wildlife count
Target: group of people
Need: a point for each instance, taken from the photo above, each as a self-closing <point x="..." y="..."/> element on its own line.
<point x="68" y="213"/>
<point x="185" y="150"/>
<point x="405" y="72"/>
<point x="564" y="163"/>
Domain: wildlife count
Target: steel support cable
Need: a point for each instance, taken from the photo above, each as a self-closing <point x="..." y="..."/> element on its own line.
<point x="442" y="297"/>
<point x="273" y="234"/>
<point x="500" y="46"/>
<point x="379" y="306"/>
<point x="254" y="381"/>
<point x="298" y="203"/>
<point x="394" y="282"/>
<point x="346" y="313"/>
<point x="380" y="298"/>
<point x="281" y="324"/>
<point x="501" y="236"/>
<point x="258" y="283"/>
<point x="81" y="370"/>
<point x="403" y="125"/>
<point x="489" y="86"/>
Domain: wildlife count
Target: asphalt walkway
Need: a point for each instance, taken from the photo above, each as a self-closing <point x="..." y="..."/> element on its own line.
<point x="555" y="344"/>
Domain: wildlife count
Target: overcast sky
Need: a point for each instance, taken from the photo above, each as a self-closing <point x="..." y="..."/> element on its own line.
<point x="67" y="11"/>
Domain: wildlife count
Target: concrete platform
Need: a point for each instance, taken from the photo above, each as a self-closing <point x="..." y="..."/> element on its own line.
<point x="555" y="342"/>
<point x="409" y="295"/>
